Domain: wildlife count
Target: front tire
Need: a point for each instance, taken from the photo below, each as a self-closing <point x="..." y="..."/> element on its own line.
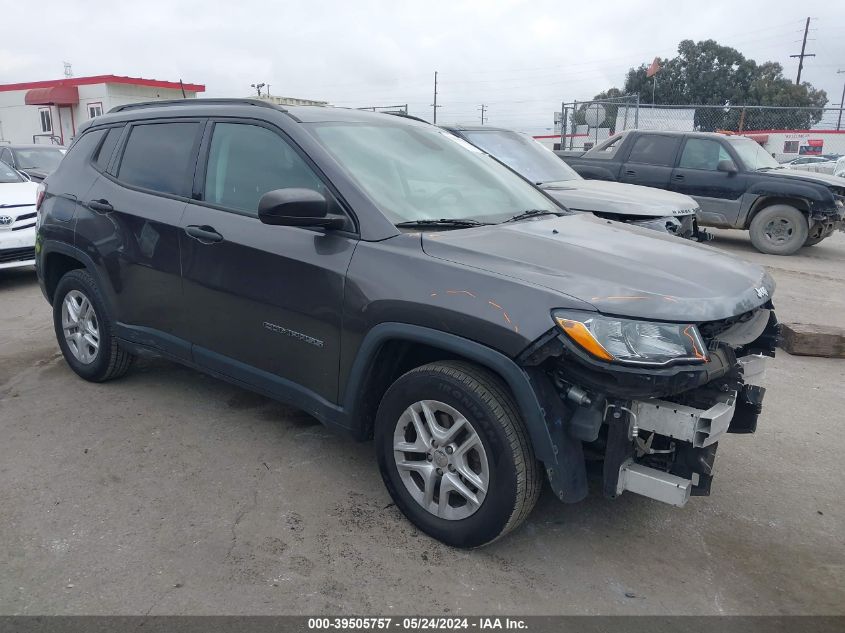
<point x="455" y="455"/>
<point x="779" y="230"/>
<point x="85" y="330"/>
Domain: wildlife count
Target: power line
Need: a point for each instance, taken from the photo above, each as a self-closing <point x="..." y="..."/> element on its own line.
<point x="434" y="105"/>
<point x="802" y="54"/>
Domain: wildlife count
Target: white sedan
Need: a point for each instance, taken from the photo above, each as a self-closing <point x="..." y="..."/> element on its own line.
<point x="824" y="164"/>
<point x="17" y="218"/>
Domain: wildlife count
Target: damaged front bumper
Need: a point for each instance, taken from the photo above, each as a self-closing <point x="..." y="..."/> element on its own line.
<point x="685" y="226"/>
<point x="654" y="432"/>
<point x="688" y="433"/>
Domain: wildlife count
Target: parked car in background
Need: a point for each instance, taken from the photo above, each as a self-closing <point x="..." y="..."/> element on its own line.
<point x="400" y="285"/>
<point x="839" y="168"/>
<point x="17" y="218"/>
<point x="647" y="207"/>
<point x="36" y="161"/>
<point x="823" y="164"/>
<point x="737" y="183"/>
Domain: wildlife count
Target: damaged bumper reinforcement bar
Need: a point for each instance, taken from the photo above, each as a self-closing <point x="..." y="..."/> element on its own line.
<point x="699" y="428"/>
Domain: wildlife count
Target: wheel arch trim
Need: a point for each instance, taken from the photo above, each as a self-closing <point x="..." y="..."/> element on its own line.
<point x="49" y="247"/>
<point x="513" y="375"/>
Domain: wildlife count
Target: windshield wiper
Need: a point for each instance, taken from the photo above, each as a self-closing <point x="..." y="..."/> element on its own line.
<point x="456" y="222"/>
<point x="530" y="213"/>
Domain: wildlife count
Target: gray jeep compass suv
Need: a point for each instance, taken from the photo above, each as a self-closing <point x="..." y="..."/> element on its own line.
<point x="398" y="284"/>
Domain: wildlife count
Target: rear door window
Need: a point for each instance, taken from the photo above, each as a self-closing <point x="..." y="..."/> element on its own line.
<point x="654" y="149"/>
<point x="158" y="156"/>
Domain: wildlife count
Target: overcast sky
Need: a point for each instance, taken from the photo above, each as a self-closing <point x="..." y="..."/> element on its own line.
<point x="522" y="58"/>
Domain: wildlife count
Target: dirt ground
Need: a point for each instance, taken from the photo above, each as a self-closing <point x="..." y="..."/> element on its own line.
<point x="172" y="492"/>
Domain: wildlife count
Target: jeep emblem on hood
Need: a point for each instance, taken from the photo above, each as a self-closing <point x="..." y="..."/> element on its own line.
<point x="761" y="292"/>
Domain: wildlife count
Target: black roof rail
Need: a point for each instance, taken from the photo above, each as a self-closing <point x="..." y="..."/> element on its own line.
<point x="406" y="116"/>
<point x="189" y="102"/>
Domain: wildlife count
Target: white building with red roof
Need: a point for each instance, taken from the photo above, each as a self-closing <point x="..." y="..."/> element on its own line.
<point x="51" y="111"/>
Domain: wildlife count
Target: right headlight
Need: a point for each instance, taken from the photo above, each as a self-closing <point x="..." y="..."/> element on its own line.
<point x="633" y="342"/>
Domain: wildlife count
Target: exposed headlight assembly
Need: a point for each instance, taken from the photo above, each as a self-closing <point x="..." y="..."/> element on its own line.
<point x="631" y="342"/>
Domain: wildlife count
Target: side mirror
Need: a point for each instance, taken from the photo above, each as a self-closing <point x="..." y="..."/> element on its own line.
<point x="297" y="207"/>
<point x="727" y="166"/>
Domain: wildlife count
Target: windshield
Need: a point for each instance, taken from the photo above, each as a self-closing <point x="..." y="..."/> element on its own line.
<point x="752" y="155"/>
<point x="522" y="154"/>
<point x="7" y="174"/>
<point x="424" y="173"/>
<point x="46" y="158"/>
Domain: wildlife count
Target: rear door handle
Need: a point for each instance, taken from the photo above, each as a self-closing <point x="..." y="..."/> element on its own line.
<point x="630" y="172"/>
<point x="678" y="176"/>
<point x="100" y="206"/>
<point x="205" y="234"/>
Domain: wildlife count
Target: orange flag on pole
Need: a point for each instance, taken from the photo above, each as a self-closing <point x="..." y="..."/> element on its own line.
<point x="653" y="69"/>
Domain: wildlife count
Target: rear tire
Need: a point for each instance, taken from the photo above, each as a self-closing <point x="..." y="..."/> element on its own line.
<point x="465" y="497"/>
<point x="84" y="329"/>
<point x="779" y="230"/>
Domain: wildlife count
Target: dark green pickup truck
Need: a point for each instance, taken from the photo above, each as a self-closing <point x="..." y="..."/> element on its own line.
<point x="736" y="182"/>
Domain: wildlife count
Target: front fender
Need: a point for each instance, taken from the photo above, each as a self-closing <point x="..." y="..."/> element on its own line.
<point x="507" y="369"/>
<point x="539" y="404"/>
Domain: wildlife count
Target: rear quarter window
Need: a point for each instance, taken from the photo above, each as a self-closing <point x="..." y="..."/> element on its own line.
<point x="158" y="156"/>
<point x="82" y="148"/>
<point x="103" y="155"/>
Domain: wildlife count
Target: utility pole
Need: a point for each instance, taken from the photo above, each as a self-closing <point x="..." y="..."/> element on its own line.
<point x="802" y="54"/>
<point x="841" y="102"/>
<point x="434" y="105"/>
<point x="483" y="109"/>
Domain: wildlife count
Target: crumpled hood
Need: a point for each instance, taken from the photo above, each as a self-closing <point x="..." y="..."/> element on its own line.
<point x="799" y="174"/>
<point x="620" y="198"/>
<point x="617" y="268"/>
<point x="16" y="193"/>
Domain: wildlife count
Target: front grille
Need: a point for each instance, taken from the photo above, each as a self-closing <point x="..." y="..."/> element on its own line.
<point x="12" y="222"/>
<point x="17" y="255"/>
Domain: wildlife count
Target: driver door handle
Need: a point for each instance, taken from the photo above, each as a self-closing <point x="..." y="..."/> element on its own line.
<point x="100" y="206"/>
<point x="678" y="176"/>
<point x="205" y="234"/>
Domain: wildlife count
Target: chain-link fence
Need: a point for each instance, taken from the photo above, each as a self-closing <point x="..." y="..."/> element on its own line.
<point x="787" y="132"/>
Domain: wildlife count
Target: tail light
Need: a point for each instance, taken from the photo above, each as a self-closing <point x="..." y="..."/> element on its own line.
<point x="39" y="195"/>
<point x="39" y="198"/>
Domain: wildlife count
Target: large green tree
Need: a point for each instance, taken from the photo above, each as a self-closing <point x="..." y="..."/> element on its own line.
<point x="706" y="73"/>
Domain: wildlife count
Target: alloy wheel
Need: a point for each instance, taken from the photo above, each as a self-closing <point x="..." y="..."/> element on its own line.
<point x="80" y="327"/>
<point x="441" y="460"/>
